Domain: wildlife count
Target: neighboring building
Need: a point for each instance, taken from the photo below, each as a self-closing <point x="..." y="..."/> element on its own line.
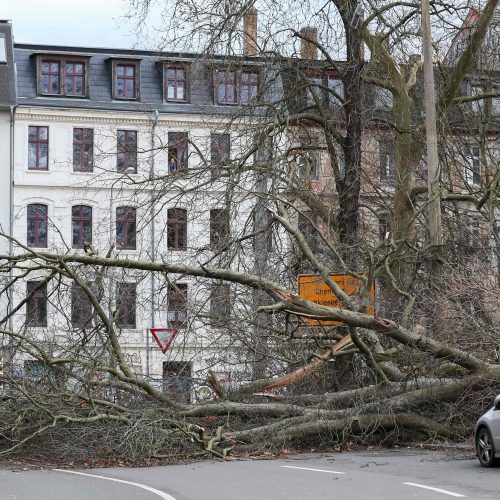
<point x="8" y="103"/>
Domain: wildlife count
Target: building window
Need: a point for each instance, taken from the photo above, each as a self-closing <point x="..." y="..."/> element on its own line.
<point x="233" y="87"/>
<point x="220" y="148"/>
<point x="383" y="228"/>
<point x="383" y="98"/>
<point x="177" y="305"/>
<point x="126" y="227"/>
<point x="219" y="229"/>
<point x="475" y="91"/>
<point x="309" y="160"/>
<point x="83" y="149"/>
<point x="314" y="88"/>
<point x="126" y="81"/>
<point x="36" y="306"/>
<point x="495" y="105"/>
<point x="220" y="152"/>
<point x="249" y="85"/>
<point x="50" y="77"/>
<point x="81" y="222"/>
<point x="3" y="49"/>
<point x="226" y="87"/>
<point x="265" y="150"/>
<point x="126" y="304"/>
<point x="472" y="156"/>
<point x="177" y="151"/>
<point x="177" y="229"/>
<point x="386" y="160"/>
<point x="220" y="304"/>
<point x="309" y="164"/>
<point x="37" y="225"/>
<point x="126" y="159"/>
<point x="62" y="77"/>
<point x="177" y="380"/>
<point x="81" y="308"/>
<point x="74" y="78"/>
<point x="176" y="82"/>
<point x="38" y="148"/>
<point x="335" y="91"/>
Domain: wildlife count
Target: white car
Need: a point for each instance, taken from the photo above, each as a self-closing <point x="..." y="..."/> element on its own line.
<point x="487" y="435"/>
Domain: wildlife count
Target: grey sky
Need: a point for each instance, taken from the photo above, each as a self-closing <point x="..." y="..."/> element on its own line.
<point x="93" y="23"/>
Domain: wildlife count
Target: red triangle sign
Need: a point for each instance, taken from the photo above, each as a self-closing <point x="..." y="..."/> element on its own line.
<point x="164" y="337"/>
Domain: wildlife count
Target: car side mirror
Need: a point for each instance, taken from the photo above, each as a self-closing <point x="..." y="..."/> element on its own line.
<point x="496" y="404"/>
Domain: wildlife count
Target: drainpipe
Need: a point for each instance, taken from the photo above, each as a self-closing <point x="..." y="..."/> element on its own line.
<point x="10" y="296"/>
<point x="156" y="115"/>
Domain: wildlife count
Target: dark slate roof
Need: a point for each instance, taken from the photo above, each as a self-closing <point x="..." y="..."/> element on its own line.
<point x="100" y="80"/>
<point x="7" y="70"/>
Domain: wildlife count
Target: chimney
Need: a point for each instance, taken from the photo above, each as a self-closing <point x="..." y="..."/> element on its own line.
<point x="308" y="48"/>
<point x="250" y="32"/>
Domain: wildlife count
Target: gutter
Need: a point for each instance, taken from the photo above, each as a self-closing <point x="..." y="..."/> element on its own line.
<point x="153" y="234"/>
<point x="12" y="110"/>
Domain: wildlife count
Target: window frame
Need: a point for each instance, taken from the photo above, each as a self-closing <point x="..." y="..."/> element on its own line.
<point x="3" y="49"/>
<point x="237" y="83"/>
<point x="37" y="220"/>
<point x="63" y="61"/>
<point x="220" y="229"/>
<point x="472" y="175"/>
<point x="136" y="64"/>
<point x="81" y="221"/>
<point x="249" y="84"/>
<point x="386" y="160"/>
<point x="36" y="306"/>
<point x="217" y="160"/>
<point x="177" y="295"/>
<point x="309" y="153"/>
<point x="129" y="152"/>
<point x="80" y="302"/>
<point x="176" y="224"/>
<point x="177" y="141"/>
<point x="383" y="99"/>
<point x="124" y="242"/>
<point x="186" y="67"/>
<point x="220" y="304"/>
<point x="80" y="166"/>
<point x="38" y="142"/>
<point x="126" y="305"/>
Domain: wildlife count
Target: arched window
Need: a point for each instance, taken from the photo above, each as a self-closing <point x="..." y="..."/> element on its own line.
<point x="81" y="223"/>
<point x="126" y="227"/>
<point x="37" y="223"/>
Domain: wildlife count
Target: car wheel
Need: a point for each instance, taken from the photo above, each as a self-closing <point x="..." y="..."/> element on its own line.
<point x="485" y="448"/>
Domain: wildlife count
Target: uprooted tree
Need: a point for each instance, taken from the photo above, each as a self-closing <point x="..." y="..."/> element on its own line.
<point x="328" y="176"/>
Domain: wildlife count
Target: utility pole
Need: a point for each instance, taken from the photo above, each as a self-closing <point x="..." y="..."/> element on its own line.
<point x="431" y="132"/>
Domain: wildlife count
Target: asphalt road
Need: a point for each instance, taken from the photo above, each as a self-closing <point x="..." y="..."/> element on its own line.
<point x="378" y="475"/>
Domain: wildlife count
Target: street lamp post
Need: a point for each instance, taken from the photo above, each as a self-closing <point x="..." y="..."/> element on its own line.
<point x="431" y="132"/>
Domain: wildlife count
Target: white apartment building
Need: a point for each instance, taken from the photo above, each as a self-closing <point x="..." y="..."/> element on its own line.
<point x="116" y="152"/>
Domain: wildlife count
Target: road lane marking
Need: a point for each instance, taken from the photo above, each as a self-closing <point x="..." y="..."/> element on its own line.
<point x="439" y="490"/>
<point x="161" y="494"/>
<point x="315" y="470"/>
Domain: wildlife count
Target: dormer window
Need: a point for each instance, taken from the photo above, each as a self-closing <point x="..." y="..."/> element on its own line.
<point x="126" y="80"/>
<point x="236" y="86"/>
<point x="3" y="49"/>
<point x="176" y="80"/>
<point x="62" y="76"/>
